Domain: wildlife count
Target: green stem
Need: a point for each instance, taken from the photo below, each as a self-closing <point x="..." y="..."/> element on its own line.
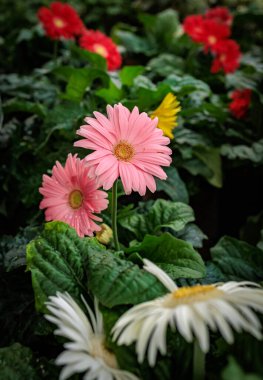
<point x="114" y="216"/>
<point x="198" y="362"/>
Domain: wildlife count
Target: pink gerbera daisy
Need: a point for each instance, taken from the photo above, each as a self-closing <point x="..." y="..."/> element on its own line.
<point x="72" y="197"/>
<point x="127" y="145"/>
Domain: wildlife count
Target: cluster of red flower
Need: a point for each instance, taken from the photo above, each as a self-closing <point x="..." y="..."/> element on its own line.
<point x="62" y="21"/>
<point x="240" y="103"/>
<point x="213" y="30"/>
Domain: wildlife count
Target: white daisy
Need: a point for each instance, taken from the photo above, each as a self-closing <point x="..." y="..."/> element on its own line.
<point x="192" y="311"/>
<point x="86" y="351"/>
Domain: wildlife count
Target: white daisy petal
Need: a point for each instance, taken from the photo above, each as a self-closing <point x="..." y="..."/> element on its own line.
<point x="192" y="311"/>
<point x="160" y="274"/>
<point x="85" y="352"/>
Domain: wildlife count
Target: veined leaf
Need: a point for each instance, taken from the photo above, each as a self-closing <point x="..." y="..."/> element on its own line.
<point x="163" y="214"/>
<point x="56" y="259"/>
<point x="115" y="281"/>
<point x="176" y="257"/>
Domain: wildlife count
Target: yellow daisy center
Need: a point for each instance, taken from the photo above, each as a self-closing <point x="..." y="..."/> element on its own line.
<point x="190" y="294"/>
<point x="75" y="199"/>
<point x="99" y="351"/>
<point x="212" y="40"/>
<point x="100" y="49"/>
<point x="58" y="22"/>
<point x="123" y="151"/>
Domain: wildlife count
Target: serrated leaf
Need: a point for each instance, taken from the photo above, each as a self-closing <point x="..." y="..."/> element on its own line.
<point x="56" y="259"/>
<point x="176" y="257"/>
<point x="238" y="260"/>
<point x="115" y="281"/>
<point x="163" y="214"/>
<point x="173" y="186"/>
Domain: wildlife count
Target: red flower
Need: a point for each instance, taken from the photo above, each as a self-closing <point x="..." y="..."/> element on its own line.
<point x="227" y="56"/>
<point x="97" y="42"/>
<point x="61" y="20"/>
<point x="220" y="15"/>
<point x="213" y="33"/>
<point x="240" y="104"/>
<point x="194" y="26"/>
<point x="205" y="31"/>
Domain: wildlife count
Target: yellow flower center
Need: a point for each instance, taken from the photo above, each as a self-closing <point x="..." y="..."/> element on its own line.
<point x="212" y="40"/>
<point x="99" y="49"/>
<point x="189" y="291"/>
<point x="58" y="22"/>
<point x="99" y="350"/>
<point x="123" y="151"/>
<point x="191" y="294"/>
<point x="75" y="199"/>
<point x="222" y="58"/>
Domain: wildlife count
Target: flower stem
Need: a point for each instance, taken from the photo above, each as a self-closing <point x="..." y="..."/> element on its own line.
<point x="114" y="216"/>
<point x="198" y="363"/>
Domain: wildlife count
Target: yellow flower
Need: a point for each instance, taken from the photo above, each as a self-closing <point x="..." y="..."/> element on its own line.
<point x="167" y="114"/>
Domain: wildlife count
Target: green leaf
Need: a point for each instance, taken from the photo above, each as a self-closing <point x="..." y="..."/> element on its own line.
<point x="135" y="44"/>
<point x="13" y="248"/>
<point x="80" y="80"/>
<point x="95" y="60"/>
<point x="184" y="85"/>
<point x="234" y="372"/>
<point x="163" y="214"/>
<point x="211" y="158"/>
<point x="129" y="73"/>
<point x="192" y="234"/>
<point x="166" y="64"/>
<point x="115" y="281"/>
<point x="56" y="259"/>
<point x="112" y="94"/>
<point x="15" y="105"/>
<point x="166" y="26"/>
<point x="174" y="256"/>
<point x="173" y="186"/>
<point x="16" y="363"/>
<point x="252" y="153"/>
<point x="187" y="136"/>
<point x="238" y="260"/>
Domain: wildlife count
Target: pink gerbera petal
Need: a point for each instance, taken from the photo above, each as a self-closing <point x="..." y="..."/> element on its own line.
<point x="70" y="196"/>
<point x="127" y="145"/>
